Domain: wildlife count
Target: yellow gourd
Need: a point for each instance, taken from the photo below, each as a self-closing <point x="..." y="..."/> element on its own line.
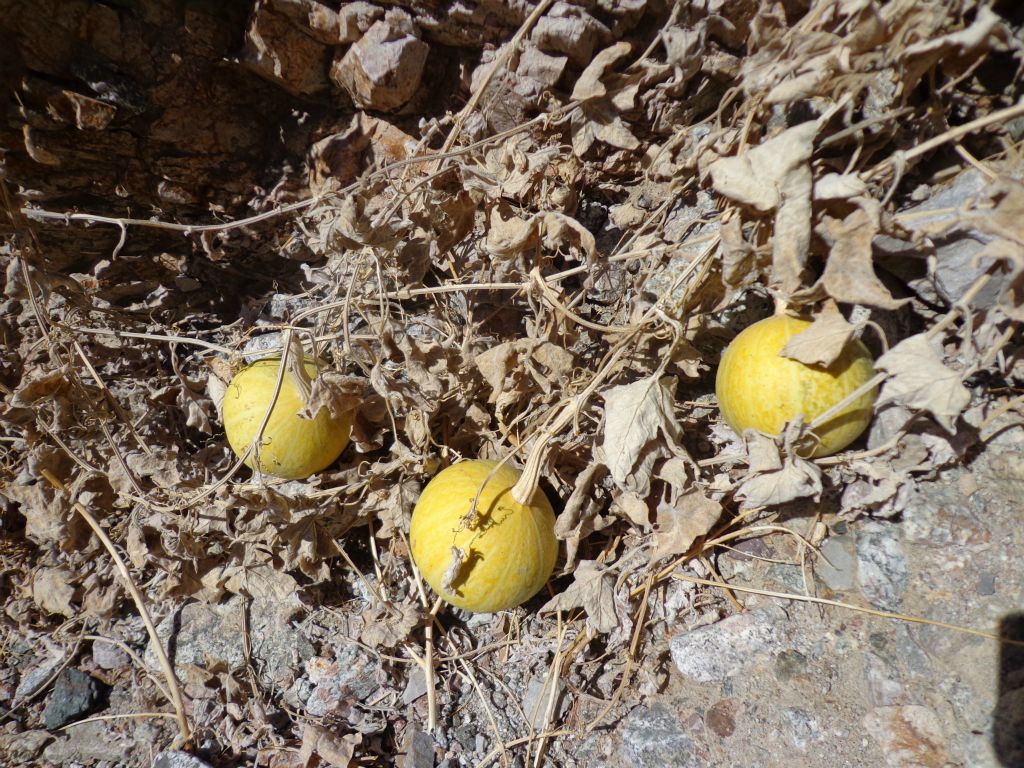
<point x="758" y="389"/>
<point x="292" y="447"/>
<point x="508" y="550"/>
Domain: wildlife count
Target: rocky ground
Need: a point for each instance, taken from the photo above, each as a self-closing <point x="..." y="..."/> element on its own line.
<point x="511" y="231"/>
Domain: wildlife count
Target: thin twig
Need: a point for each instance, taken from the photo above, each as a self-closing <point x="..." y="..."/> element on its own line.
<point x="847" y="606"/>
<point x="140" y="604"/>
<point x="953" y="134"/>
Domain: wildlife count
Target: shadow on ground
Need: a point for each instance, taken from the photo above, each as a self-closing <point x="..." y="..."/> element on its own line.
<point x="1008" y="719"/>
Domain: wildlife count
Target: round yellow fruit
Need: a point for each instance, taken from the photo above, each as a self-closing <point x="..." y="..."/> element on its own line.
<point x="508" y="549"/>
<point x="292" y="447"/>
<point x="758" y="389"/>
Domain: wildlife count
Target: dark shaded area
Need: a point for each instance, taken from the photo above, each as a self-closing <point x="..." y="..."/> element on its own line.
<point x="1008" y="718"/>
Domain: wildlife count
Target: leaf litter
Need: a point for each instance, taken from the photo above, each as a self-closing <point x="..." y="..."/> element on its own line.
<point x="466" y="284"/>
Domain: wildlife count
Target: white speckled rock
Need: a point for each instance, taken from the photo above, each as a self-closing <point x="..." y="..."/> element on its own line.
<point x="719" y="651"/>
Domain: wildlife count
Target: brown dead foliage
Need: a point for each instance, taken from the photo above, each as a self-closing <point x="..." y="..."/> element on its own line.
<point x="633" y="187"/>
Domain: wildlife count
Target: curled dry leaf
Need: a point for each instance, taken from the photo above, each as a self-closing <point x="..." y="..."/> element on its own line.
<point x="639" y="427"/>
<point x="331" y="749"/>
<point x="52" y="590"/>
<point x="581" y="517"/>
<point x="776" y="175"/>
<point x="823" y="342"/>
<point x="849" y="274"/>
<point x="336" y="392"/>
<point x="773" y="477"/>
<point x="682" y="520"/>
<point x="919" y="380"/>
<point x="388" y="627"/>
<point x="765" y="176"/>
<point x="593" y="590"/>
<point x="632" y="507"/>
<point x="589" y="85"/>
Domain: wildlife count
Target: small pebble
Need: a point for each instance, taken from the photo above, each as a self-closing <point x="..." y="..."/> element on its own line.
<point x="986" y="583"/>
<point x="721" y="718"/>
<point x="108" y="655"/>
<point x="178" y="760"/>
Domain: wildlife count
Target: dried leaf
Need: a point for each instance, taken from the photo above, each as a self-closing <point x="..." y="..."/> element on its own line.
<point x="581" y="517"/>
<point x="160" y="467"/>
<point x="919" y="380"/>
<point x="255" y="577"/>
<point x="387" y="627"/>
<point x="823" y="342"/>
<point x="589" y="85"/>
<point x="338" y="393"/>
<point x="594" y="591"/>
<point x="738" y="267"/>
<point x="638" y="419"/>
<point x="682" y="521"/>
<point x="836" y="186"/>
<point x="773" y="478"/>
<point x="509" y="235"/>
<point x="776" y="175"/>
<point x="632" y="507"/>
<point x="39" y="384"/>
<point x="987" y="26"/>
<point x="765" y="175"/>
<point x="849" y="275"/>
<point x="599" y="120"/>
<point x="308" y="545"/>
<point x="559" y="228"/>
<point x="53" y="591"/>
<point x="49" y="519"/>
<point x="335" y="751"/>
<point x="792" y="238"/>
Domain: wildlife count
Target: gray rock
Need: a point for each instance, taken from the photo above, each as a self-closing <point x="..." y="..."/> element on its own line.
<point x="34" y="678"/>
<point x="535" y="702"/>
<point x="719" y="651"/>
<point x="788" y="664"/>
<point x="881" y="565"/>
<point x="837" y="568"/>
<point x="74" y="695"/>
<point x="883" y="680"/>
<point x="653" y="738"/>
<point x="201" y="634"/>
<point x="264" y="345"/>
<point x="351" y="677"/>
<point x="415" y="686"/>
<point x="419" y="751"/>
<point x="109" y="656"/>
<point x="93" y="742"/>
<point x="178" y="760"/>
<point x="986" y="583"/>
<point x="954" y="268"/>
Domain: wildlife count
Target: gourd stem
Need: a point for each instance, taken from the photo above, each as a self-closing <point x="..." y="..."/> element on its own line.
<point x="522" y="492"/>
<point x="297" y="369"/>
